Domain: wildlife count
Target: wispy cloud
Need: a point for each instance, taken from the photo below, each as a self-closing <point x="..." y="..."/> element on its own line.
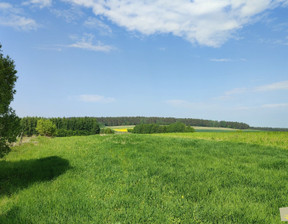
<point x="274" y="86"/>
<point x="227" y="60"/>
<point x="205" y="22"/>
<point x="97" y="24"/>
<point x="5" y="5"/>
<point x="70" y="15"/>
<point x="86" y="43"/>
<point x="238" y="91"/>
<point x="229" y="94"/>
<point x="221" y="59"/>
<point x="12" y="17"/>
<point x="38" y="3"/>
<point x="283" y="41"/>
<point x="95" y="98"/>
<point x="263" y="106"/>
<point x="275" y="105"/>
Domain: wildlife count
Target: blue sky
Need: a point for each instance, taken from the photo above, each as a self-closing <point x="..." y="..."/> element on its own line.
<point x="208" y="59"/>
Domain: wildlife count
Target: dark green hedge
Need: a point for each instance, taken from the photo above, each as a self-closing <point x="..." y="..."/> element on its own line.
<point x="65" y="126"/>
<point x="117" y="121"/>
<point x="156" y="128"/>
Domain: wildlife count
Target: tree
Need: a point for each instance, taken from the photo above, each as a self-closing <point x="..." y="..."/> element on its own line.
<point x="9" y="122"/>
<point x="46" y="127"/>
<point x="176" y="127"/>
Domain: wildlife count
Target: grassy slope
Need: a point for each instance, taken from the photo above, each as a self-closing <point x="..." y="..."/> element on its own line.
<point x="143" y="179"/>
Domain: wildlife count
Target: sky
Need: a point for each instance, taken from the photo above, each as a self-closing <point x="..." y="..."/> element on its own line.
<point x="206" y="59"/>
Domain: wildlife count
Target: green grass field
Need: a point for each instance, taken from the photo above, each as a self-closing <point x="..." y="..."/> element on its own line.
<point x="163" y="178"/>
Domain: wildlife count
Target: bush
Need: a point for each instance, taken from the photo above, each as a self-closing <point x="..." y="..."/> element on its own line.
<point x="45" y="127"/>
<point x="177" y="127"/>
<point x="156" y="128"/>
<point x="61" y="133"/>
<point x="65" y="126"/>
<point x="189" y="129"/>
<point x="107" y="131"/>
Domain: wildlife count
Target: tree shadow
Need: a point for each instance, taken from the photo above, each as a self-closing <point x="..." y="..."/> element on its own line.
<point x="13" y="216"/>
<point x="15" y="176"/>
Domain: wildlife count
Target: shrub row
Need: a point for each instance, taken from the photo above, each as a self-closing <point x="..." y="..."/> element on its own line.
<point x="119" y="121"/>
<point x="107" y="131"/>
<point x="63" y="126"/>
<point x="156" y="128"/>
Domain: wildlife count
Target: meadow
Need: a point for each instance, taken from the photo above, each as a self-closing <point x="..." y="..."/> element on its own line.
<point x="233" y="177"/>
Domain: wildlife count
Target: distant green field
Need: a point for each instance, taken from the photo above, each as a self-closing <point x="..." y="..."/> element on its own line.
<point x="160" y="178"/>
<point x="212" y="129"/>
<point x="273" y="139"/>
<point x="121" y="127"/>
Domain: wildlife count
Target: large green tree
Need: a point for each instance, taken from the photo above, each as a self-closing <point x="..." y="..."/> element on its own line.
<point x="9" y="122"/>
<point x="45" y="127"/>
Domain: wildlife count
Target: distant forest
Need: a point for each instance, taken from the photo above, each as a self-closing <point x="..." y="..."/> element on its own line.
<point x="91" y="125"/>
<point x="117" y="121"/>
<point x="74" y="126"/>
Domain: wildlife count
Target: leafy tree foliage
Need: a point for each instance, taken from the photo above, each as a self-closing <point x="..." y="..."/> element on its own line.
<point x="9" y="122"/>
<point x="117" y="121"/>
<point x="156" y="128"/>
<point x="45" y="127"/>
<point x="28" y="125"/>
<point x="73" y="126"/>
<point x="91" y="125"/>
<point x="107" y="131"/>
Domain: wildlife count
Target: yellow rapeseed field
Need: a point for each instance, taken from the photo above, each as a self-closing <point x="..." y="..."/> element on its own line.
<point x="120" y="129"/>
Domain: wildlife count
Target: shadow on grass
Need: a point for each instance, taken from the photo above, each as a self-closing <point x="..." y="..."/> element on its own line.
<point x="15" y="176"/>
<point x="13" y="216"/>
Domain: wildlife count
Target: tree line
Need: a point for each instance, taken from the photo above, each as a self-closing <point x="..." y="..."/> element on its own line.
<point x="157" y="128"/>
<point x="91" y="125"/>
<point x="64" y="126"/>
<point x="117" y="121"/>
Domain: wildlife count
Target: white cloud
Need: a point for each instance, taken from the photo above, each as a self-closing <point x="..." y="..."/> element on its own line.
<point x="227" y="60"/>
<point x="95" y="99"/>
<point x="229" y="94"/>
<point x="70" y="15"/>
<point x="86" y="43"/>
<point x="39" y="3"/>
<point x="11" y="16"/>
<point x="274" y="86"/>
<point x="94" y="23"/>
<point x="5" y="5"/>
<point x="270" y="87"/>
<point x="283" y="41"/>
<point x="221" y="60"/>
<point x="206" y="22"/>
<point x="18" y="22"/>
<point x="262" y="107"/>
